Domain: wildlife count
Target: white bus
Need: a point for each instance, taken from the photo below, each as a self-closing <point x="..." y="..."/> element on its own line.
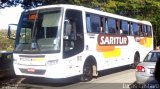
<point x="62" y="41"/>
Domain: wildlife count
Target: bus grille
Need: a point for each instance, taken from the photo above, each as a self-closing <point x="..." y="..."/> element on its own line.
<point x="38" y="72"/>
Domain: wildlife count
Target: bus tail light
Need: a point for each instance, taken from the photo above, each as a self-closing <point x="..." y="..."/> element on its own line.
<point x="140" y="69"/>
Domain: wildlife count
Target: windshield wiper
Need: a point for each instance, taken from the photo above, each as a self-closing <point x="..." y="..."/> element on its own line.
<point x="34" y="32"/>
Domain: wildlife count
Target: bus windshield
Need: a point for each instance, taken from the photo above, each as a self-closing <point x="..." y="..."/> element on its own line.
<point x="39" y="31"/>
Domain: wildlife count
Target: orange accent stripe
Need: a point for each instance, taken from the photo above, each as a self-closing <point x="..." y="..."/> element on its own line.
<point x="104" y="48"/>
<point x="142" y="41"/>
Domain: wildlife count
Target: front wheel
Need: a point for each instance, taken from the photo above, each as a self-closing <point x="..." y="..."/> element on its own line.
<point x="87" y="72"/>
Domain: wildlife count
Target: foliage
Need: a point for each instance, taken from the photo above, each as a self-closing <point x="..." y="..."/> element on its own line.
<point x="138" y="9"/>
<point x="5" y="43"/>
<point x="26" y="4"/>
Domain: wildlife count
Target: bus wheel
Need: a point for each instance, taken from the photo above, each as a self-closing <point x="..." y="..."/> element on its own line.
<point x="87" y="72"/>
<point x="136" y="60"/>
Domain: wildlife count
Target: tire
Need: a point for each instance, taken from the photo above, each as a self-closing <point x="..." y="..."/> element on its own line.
<point x="87" y="72"/>
<point x="136" y="61"/>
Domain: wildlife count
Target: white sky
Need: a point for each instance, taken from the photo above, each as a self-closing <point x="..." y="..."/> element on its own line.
<point x="9" y="16"/>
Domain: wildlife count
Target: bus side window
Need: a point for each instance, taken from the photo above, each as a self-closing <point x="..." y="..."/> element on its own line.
<point x="88" y="23"/>
<point x="95" y="23"/>
<point x="149" y="31"/>
<point x="111" y="26"/>
<point x="135" y="29"/>
<point x="144" y="30"/>
<point x="125" y="27"/>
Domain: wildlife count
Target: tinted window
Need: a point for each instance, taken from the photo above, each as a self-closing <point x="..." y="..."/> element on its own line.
<point x="111" y="25"/>
<point x="88" y="23"/>
<point x="95" y="23"/>
<point x="125" y="27"/>
<point x="135" y="28"/>
<point x="144" y="30"/>
<point x="149" y="31"/>
<point x="73" y="42"/>
<point x="152" y="57"/>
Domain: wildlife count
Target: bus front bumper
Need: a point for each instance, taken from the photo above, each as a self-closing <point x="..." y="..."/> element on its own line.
<point x="54" y="72"/>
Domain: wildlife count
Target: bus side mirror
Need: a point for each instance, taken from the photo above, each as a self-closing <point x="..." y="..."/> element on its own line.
<point x="11" y="29"/>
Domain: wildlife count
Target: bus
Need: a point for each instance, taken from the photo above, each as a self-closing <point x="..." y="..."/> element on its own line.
<point x="62" y="41"/>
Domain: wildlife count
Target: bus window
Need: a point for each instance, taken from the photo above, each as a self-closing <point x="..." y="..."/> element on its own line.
<point x="95" y="23"/>
<point x="135" y="29"/>
<point x="140" y="30"/>
<point x="111" y="26"/>
<point x="125" y="27"/>
<point x="144" y="30"/>
<point x="88" y="23"/>
<point x="149" y="31"/>
<point x="73" y="40"/>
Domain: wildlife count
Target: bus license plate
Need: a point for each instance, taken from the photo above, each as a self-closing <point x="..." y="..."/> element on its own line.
<point x="31" y="70"/>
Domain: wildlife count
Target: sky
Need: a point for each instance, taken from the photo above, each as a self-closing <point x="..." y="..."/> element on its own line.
<point x="9" y="16"/>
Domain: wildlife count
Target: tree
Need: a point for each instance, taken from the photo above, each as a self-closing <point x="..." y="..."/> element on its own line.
<point x="5" y="43"/>
<point x="26" y="4"/>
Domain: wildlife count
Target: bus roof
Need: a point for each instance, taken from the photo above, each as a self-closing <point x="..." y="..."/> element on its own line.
<point x="82" y="8"/>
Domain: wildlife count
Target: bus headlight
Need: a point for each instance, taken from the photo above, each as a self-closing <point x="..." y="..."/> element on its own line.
<point x="52" y="62"/>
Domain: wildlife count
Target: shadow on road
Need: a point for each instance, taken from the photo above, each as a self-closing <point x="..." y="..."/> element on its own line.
<point x="113" y="70"/>
<point x="50" y="82"/>
<point x="32" y="83"/>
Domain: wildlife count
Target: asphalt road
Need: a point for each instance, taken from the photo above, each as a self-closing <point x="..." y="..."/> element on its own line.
<point x="119" y="78"/>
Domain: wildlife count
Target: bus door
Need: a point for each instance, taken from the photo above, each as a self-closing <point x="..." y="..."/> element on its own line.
<point x="73" y="37"/>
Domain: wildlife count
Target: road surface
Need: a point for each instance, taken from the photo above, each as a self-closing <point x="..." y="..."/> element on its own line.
<point x="122" y="78"/>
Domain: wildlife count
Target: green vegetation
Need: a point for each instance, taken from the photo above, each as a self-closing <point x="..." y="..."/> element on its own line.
<point x="5" y="43"/>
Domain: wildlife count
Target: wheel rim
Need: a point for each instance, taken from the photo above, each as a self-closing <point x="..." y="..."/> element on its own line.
<point x="87" y="73"/>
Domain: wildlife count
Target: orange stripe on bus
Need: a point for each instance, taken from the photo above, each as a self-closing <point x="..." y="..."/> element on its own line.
<point x="142" y="41"/>
<point x="104" y="48"/>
